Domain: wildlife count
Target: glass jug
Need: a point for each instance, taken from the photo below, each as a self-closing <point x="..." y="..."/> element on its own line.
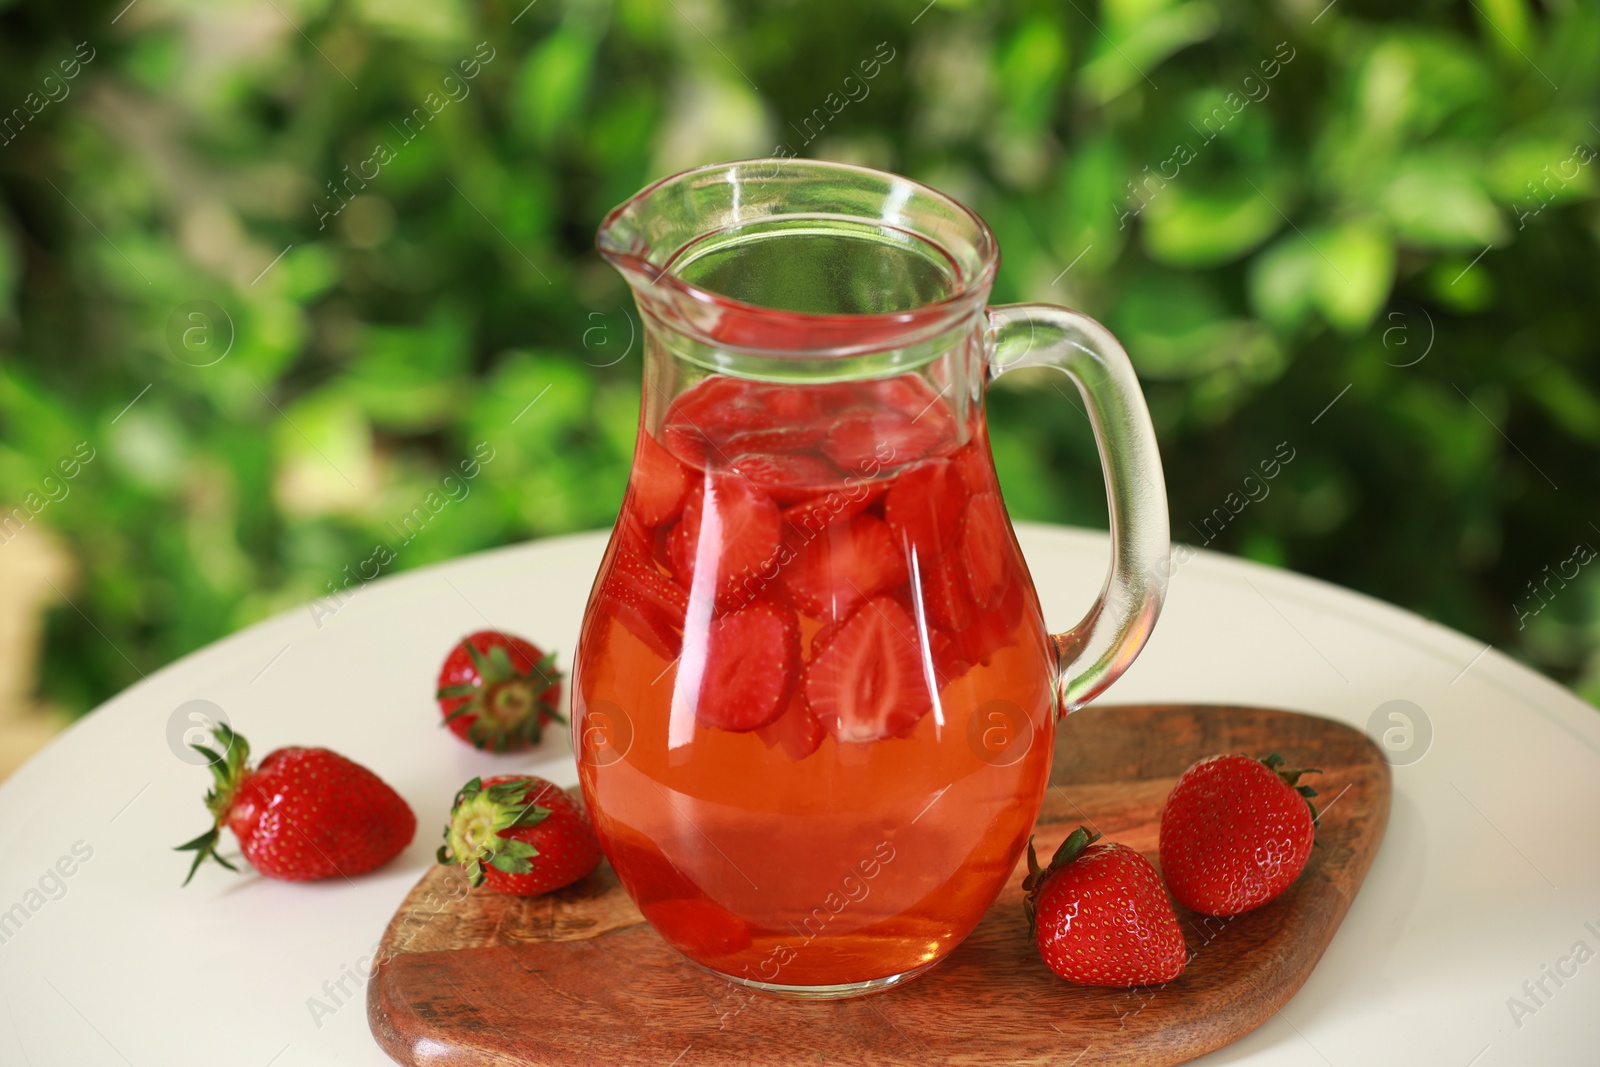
<point x="814" y="697"/>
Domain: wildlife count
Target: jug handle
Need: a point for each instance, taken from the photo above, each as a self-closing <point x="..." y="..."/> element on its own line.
<point x="1095" y="652"/>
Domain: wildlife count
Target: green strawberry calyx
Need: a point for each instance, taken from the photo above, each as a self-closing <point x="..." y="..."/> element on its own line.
<point x="229" y="769"/>
<point x="506" y="705"/>
<point x="478" y="818"/>
<point x="1068" y="851"/>
<point x="1290" y="776"/>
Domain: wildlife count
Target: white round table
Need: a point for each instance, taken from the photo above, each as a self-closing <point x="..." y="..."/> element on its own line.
<point x="1487" y="882"/>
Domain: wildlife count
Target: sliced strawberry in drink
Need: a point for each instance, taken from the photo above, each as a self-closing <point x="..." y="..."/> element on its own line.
<point x="686" y="443"/>
<point x="824" y="637"/>
<point x="744" y="523"/>
<point x="862" y="442"/>
<point x="777" y="440"/>
<point x="985" y="550"/>
<point x="842" y="566"/>
<point x="660" y="545"/>
<point x="715" y="404"/>
<point x="648" y="604"/>
<point x="751" y="656"/>
<point x="909" y="394"/>
<point x="867" y="683"/>
<point x="657" y="482"/>
<point x="986" y="634"/>
<point x="723" y="417"/>
<point x="789" y="479"/>
<point x="804" y="403"/>
<point x="974" y="467"/>
<point x="681" y="542"/>
<point x="817" y="513"/>
<point x="943" y="589"/>
<point x="632" y="535"/>
<point x="948" y="661"/>
<point x="700" y="421"/>
<point x="797" y="730"/>
<point x="924" y="507"/>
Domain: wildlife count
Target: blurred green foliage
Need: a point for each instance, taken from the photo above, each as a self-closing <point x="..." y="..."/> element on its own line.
<point x="1278" y="207"/>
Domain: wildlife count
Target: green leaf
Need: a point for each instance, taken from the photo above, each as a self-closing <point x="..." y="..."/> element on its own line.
<point x="1176" y="327"/>
<point x="1344" y="271"/>
<point x="1089" y="205"/>
<point x="1138" y="36"/>
<point x="551" y="84"/>
<point x="1030" y="66"/>
<point x="410" y="378"/>
<point x="430" y="22"/>
<point x="1356" y="274"/>
<point x="1509" y="29"/>
<point x="510" y="864"/>
<point x="1438" y="202"/>
<point x="1199" y="227"/>
<point x="512" y="847"/>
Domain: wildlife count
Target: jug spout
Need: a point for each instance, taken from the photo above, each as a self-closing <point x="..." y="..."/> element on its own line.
<point x="800" y="258"/>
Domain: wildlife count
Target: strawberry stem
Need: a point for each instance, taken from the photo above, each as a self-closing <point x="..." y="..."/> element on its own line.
<point x="1291" y="778"/>
<point x="1065" y="853"/>
<point x="472" y="838"/>
<point x="228" y="769"/>
<point x="505" y="705"/>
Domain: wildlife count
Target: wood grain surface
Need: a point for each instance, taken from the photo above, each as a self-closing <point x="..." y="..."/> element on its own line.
<point x="577" y="977"/>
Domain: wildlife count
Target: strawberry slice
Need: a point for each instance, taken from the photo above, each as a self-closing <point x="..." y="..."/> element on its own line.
<point x="796" y="730"/>
<point x="817" y="513"/>
<point x="957" y="651"/>
<point x="797" y="404"/>
<point x="924" y="507"/>
<point x="949" y="663"/>
<point x="647" y="603"/>
<point x="751" y="656"/>
<point x="660" y="544"/>
<point x="985" y="549"/>
<point x="910" y="395"/>
<point x="717" y="403"/>
<point x="745" y="524"/>
<point x="844" y="565"/>
<point x="777" y="440"/>
<point x="713" y="419"/>
<point x="788" y="478"/>
<point x="862" y="441"/>
<point x="824" y="637"/>
<point x="867" y="683"/>
<point x="657" y="483"/>
<point x="974" y="467"/>
<point x="945" y="598"/>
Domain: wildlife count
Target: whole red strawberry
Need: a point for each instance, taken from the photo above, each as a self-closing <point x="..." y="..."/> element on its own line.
<point x="497" y="691"/>
<point x="1100" y="916"/>
<point x="522" y="835"/>
<point x="1235" y="833"/>
<point x="304" y="813"/>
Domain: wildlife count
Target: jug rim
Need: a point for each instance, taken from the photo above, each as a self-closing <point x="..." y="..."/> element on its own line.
<point x="726" y="321"/>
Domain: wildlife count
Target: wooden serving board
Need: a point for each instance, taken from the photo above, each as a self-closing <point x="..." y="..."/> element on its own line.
<point x="577" y="977"/>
